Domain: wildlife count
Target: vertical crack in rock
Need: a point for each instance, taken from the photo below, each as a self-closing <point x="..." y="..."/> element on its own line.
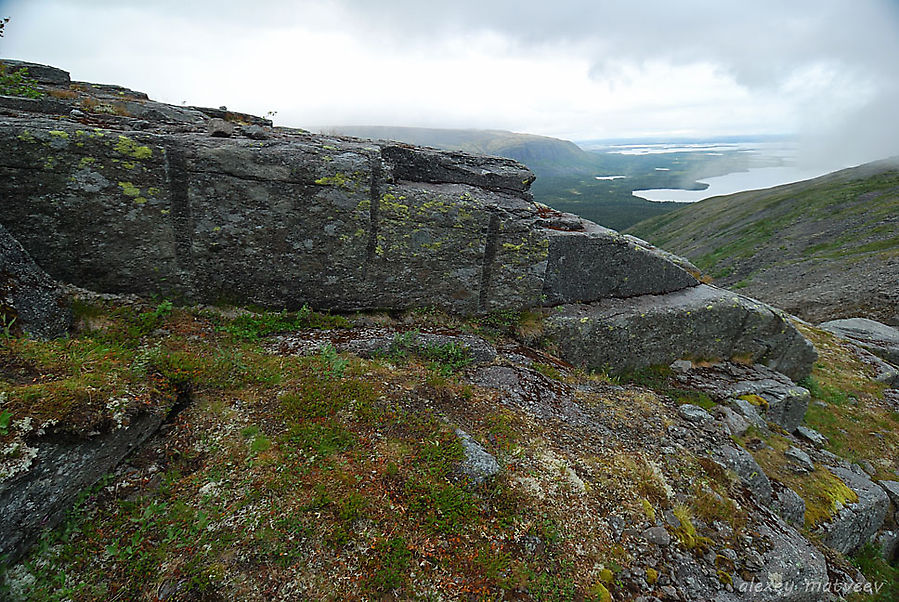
<point x="374" y="201"/>
<point x="176" y="171"/>
<point x="489" y="256"/>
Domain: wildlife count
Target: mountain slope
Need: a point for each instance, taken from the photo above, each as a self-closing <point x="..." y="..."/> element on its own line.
<point x="824" y="248"/>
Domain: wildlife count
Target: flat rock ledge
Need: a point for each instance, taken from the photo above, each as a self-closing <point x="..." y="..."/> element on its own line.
<point x="703" y="322"/>
<point x="59" y="469"/>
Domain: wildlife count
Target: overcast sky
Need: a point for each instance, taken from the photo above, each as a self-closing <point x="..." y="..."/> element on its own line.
<point x="578" y="69"/>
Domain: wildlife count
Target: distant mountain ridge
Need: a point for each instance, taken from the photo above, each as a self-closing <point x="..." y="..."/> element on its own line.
<point x="822" y="249"/>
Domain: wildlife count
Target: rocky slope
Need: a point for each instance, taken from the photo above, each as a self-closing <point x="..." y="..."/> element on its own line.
<point x="581" y="420"/>
<point x="823" y="249"/>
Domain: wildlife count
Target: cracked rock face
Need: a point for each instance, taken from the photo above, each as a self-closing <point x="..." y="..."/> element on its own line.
<point x="29" y="299"/>
<point x="331" y="222"/>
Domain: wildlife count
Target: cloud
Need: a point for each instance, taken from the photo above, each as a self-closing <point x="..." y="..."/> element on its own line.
<point x="572" y="68"/>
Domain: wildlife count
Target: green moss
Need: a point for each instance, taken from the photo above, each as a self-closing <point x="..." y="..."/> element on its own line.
<point x="130" y="148"/>
<point x="26" y="136"/>
<point x="756" y="400"/>
<point x="59" y="134"/>
<point x="600" y="593"/>
<point x="825" y="495"/>
<point x="686" y="533"/>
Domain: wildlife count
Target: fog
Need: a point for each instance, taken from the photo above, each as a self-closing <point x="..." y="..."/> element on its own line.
<point x="823" y="70"/>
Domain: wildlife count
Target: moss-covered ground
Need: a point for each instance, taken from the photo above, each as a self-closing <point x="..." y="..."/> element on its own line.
<point x="334" y="477"/>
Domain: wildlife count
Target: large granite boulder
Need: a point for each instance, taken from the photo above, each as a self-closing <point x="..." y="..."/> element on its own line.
<point x="699" y="322"/>
<point x="878" y="338"/>
<point x="335" y="223"/>
<point x="30" y="301"/>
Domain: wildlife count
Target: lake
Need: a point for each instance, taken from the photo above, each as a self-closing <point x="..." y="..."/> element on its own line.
<point x="752" y="179"/>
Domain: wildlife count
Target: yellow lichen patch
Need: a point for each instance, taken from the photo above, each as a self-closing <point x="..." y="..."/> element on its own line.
<point x="26" y="136"/>
<point x="338" y="179"/>
<point x="59" y="134"/>
<point x="390" y="202"/>
<point x="129" y="189"/>
<point x="130" y="148"/>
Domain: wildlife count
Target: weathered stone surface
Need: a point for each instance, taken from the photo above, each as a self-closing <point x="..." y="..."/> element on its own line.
<point x="223" y="219"/>
<point x="44" y="74"/>
<point x="256" y="132"/>
<point x="657" y="535"/>
<point x="693" y="413"/>
<point x="800" y="459"/>
<point x="892" y="489"/>
<point x="888" y="544"/>
<point x="701" y="321"/>
<point x="752" y="390"/>
<point x="812" y="436"/>
<point x="741" y="462"/>
<point x="219" y="128"/>
<point x="878" y="338"/>
<point x="749" y="412"/>
<point x="61" y="469"/>
<point x="594" y="263"/>
<point x="30" y="300"/>
<point x="736" y="423"/>
<point x="792" y="562"/>
<point x="790" y="506"/>
<point x="854" y="525"/>
<point x="371" y="342"/>
<point x="478" y="465"/>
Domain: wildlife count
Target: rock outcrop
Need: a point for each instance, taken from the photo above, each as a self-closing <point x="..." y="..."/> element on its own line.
<point x="856" y="523"/>
<point x="56" y="471"/>
<point x="30" y="301"/>
<point x="753" y="390"/>
<point x="138" y="197"/>
<point x="299" y="219"/>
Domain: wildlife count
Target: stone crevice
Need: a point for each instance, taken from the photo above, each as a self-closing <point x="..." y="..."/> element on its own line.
<point x="487" y="262"/>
